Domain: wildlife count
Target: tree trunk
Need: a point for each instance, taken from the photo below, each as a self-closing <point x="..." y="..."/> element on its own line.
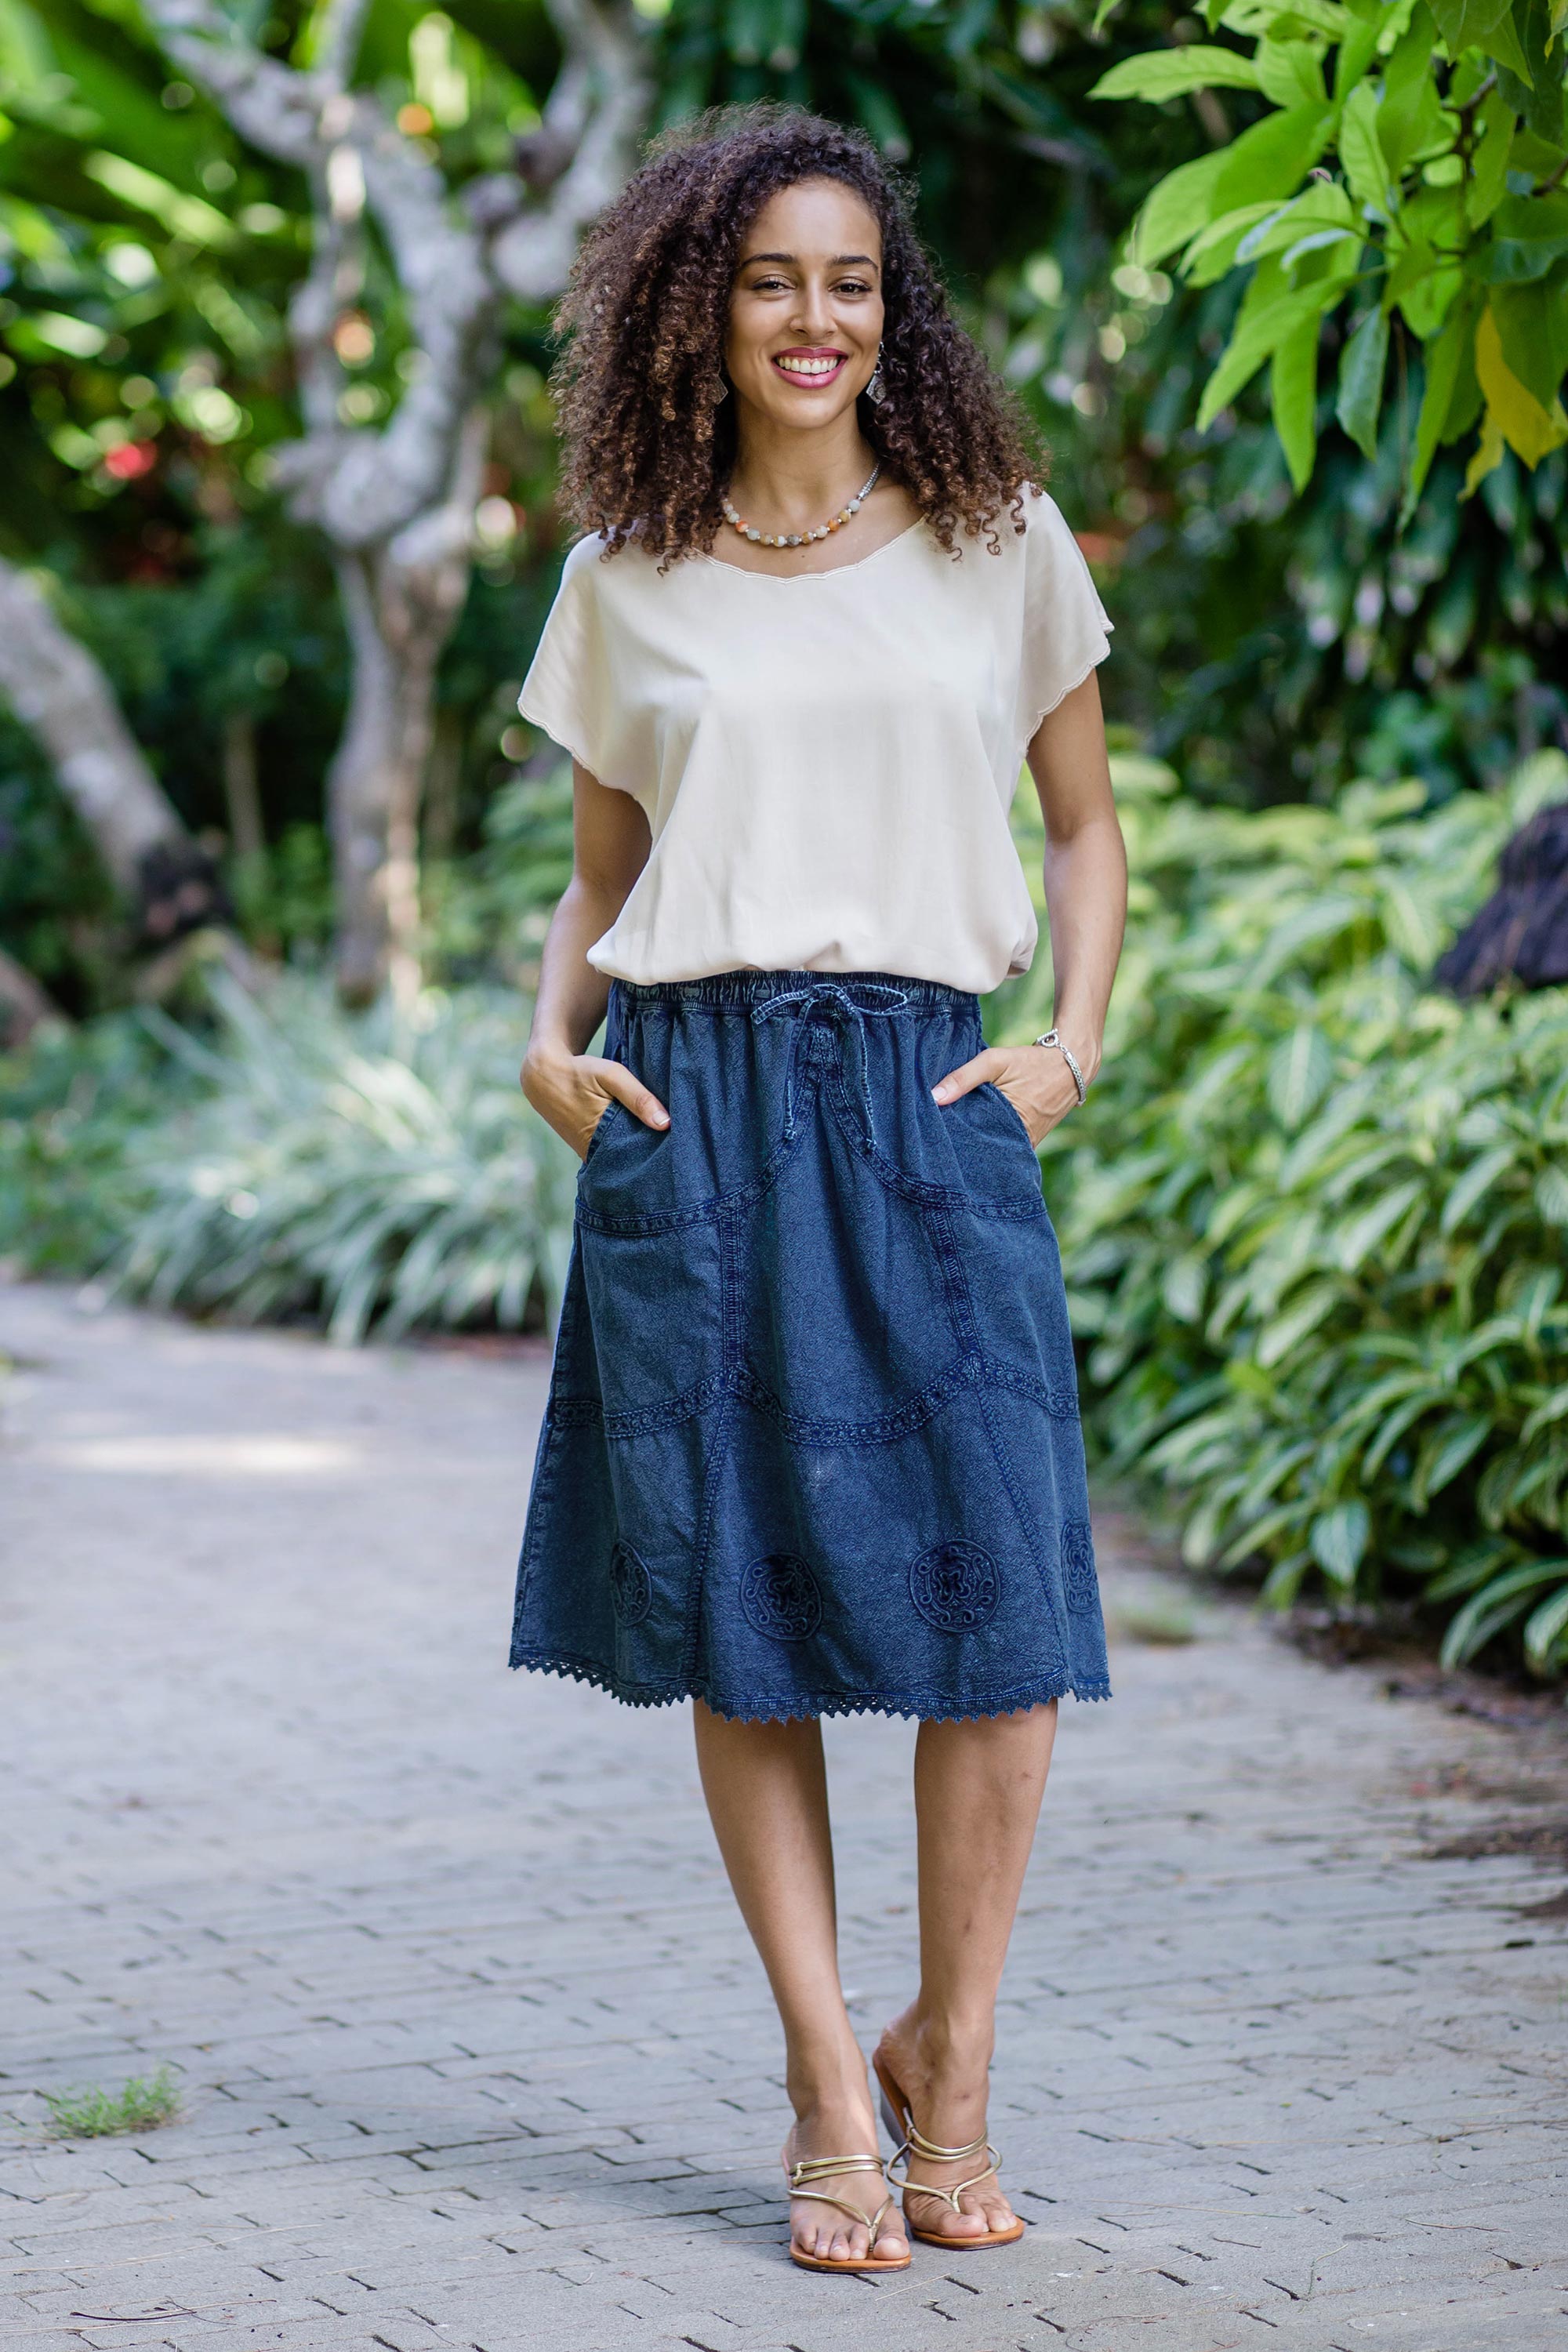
<point x="59" y="691"/>
<point x="24" y="1006"/>
<point x="443" y="789"/>
<point x="241" y="788"/>
<point x="397" y="503"/>
<point x="401" y="603"/>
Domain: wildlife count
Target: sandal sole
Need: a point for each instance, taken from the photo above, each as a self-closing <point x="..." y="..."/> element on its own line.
<point x="819" y="2263"/>
<point x="955" y="2245"/>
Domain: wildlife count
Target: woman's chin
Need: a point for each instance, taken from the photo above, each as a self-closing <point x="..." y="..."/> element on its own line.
<point x="782" y="405"/>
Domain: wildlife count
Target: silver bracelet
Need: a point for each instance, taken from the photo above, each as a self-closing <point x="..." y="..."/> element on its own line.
<point x="1050" y="1038"/>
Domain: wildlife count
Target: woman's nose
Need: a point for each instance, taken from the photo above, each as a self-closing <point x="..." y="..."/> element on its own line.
<point x="813" y="317"/>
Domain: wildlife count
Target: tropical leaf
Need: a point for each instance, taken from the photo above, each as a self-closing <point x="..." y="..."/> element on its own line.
<point x="1364" y="1232"/>
<point x="1171" y="73"/>
<point x="1552" y="1195"/>
<point x="1338" y="1539"/>
<point x="1477" y="1179"/>
<point x="1523" y="421"/>
<point x="1497" y="1606"/>
<point x="1446" y="1453"/>
<point x="1546" y="1630"/>
<point x="1362" y="367"/>
<point x="1293" y="396"/>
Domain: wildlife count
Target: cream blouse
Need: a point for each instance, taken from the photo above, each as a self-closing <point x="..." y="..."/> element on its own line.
<point x="826" y="760"/>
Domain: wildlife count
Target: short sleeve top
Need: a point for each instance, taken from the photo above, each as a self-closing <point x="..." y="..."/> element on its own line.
<point x="826" y="760"/>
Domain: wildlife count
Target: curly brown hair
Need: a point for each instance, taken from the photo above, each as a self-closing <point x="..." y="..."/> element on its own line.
<point x="650" y="440"/>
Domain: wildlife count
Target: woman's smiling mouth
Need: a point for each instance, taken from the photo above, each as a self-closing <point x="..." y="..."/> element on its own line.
<point x="810" y="367"/>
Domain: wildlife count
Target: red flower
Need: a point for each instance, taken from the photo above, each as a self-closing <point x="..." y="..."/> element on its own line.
<point x="129" y="460"/>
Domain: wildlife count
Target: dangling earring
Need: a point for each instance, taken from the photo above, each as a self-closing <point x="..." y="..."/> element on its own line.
<point x="876" y="390"/>
<point x="722" y="394"/>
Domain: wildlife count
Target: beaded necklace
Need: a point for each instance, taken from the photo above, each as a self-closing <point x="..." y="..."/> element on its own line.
<point x="800" y="538"/>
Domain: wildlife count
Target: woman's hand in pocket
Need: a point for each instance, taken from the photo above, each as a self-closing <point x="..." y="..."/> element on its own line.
<point x="1034" y="1079"/>
<point x="571" y="1092"/>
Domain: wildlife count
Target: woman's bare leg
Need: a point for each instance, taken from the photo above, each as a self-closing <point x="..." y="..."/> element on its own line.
<point x="978" y="1787"/>
<point x="766" y="1786"/>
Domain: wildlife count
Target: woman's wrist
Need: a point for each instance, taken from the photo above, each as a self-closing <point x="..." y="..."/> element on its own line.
<point x="545" y="1062"/>
<point x="1085" y="1037"/>
<point x="1088" y="1050"/>
<point x="1078" y="1045"/>
<point x="541" y="1051"/>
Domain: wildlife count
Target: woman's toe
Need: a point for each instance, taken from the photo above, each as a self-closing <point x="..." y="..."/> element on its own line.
<point x="942" y="2220"/>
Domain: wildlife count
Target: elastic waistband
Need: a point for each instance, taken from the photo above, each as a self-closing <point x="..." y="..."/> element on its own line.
<point x="745" y="992"/>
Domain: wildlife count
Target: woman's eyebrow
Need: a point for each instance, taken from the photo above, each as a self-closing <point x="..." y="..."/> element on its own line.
<point x="839" y="261"/>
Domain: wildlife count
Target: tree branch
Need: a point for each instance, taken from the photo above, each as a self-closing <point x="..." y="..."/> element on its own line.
<point x="339" y="31"/>
<point x="361" y="486"/>
<point x="59" y="691"/>
<point x="598" y="109"/>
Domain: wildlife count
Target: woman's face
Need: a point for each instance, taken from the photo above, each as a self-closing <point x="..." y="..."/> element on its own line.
<point x="805" y="310"/>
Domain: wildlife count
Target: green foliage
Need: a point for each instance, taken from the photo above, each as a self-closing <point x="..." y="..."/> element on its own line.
<point x="294" y="1161"/>
<point x="148" y="261"/>
<point x="72" y="1106"/>
<point x="56" y="905"/>
<point x="1269" y="643"/>
<point x="960" y="85"/>
<point x="1448" y="215"/>
<point x="148" y="258"/>
<point x="140" y="2105"/>
<point x="488" y="913"/>
<point x="363" y="1171"/>
<point x="1313" y="1214"/>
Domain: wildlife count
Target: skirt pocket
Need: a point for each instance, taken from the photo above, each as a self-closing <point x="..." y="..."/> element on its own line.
<point x="653" y="1279"/>
<point x="614" y="1109"/>
<point x="654" y="1302"/>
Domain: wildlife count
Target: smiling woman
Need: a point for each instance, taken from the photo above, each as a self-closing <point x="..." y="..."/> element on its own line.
<point x="812" y="1444"/>
<point x="688" y="288"/>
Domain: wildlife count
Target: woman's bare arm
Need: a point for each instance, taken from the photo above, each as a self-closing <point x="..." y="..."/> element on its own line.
<point x="1086" y="898"/>
<point x="568" y="1088"/>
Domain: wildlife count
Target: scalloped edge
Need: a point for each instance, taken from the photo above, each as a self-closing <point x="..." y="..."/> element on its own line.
<point x="904" y="1705"/>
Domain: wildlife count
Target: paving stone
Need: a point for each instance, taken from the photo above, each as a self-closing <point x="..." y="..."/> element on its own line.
<point x="472" y="2047"/>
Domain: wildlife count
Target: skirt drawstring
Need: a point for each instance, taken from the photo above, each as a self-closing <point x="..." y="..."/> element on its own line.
<point x="836" y="1010"/>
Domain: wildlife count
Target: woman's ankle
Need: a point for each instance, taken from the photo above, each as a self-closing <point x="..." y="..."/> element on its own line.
<point x="826" y="2082"/>
<point x="944" y="2042"/>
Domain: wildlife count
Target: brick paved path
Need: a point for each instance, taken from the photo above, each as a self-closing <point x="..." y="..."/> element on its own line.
<point x="473" y="2049"/>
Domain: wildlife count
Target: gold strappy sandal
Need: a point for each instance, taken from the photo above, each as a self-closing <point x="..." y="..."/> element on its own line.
<point x="833" y="2168"/>
<point x="912" y="2143"/>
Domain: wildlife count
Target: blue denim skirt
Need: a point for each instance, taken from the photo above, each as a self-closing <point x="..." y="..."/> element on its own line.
<point x="812" y="1443"/>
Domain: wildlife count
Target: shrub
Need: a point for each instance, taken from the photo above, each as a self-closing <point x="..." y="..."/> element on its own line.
<point x="353" y="1167"/>
<point x="1313" y="1214"/>
<point x="72" y="1104"/>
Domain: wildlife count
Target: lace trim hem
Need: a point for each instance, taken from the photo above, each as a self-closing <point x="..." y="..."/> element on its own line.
<point x="924" y="1707"/>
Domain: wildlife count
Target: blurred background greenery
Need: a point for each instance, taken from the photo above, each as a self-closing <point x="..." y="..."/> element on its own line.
<point x="1287" y="298"/>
